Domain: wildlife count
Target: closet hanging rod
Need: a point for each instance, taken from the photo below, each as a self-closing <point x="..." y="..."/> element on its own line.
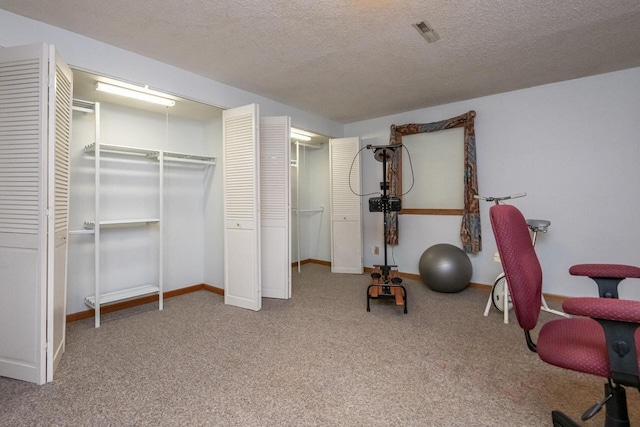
<point x="76" y="232"/>
<point x="91" y="148"/>
<point x="320" y="209"/>
<point x="135" y="222"/>
<point x="193" y="161"/>
<point x="189" y="158"/>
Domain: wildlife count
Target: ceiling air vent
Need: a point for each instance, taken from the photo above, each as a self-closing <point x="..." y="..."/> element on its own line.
<point x="427" y="31"/>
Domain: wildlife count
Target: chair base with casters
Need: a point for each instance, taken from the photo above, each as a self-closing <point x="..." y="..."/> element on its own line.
<point x="615" y="403"/>
<point x="602" y="337"/>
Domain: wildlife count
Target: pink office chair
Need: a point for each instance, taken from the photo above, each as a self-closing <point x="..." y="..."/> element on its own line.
<point x="603" y="341"/>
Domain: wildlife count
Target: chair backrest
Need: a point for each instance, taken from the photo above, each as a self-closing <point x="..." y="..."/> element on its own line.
<point x="519" y="262"/>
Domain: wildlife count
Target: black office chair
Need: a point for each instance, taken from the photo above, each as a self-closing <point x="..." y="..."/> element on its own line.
<point x="604" y="340"/>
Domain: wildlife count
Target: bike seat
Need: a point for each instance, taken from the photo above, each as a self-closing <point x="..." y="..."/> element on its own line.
<point x="538" y="224"/>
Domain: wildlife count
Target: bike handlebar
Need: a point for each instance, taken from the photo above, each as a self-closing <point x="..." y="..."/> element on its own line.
<point x="501" y="198"/>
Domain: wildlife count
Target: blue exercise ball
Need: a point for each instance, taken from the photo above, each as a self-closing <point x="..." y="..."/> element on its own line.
<point x="445" y="268"/>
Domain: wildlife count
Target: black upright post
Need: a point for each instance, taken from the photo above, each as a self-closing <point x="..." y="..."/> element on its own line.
<point x="385" y="210"/>
<point x="385" y="269"/>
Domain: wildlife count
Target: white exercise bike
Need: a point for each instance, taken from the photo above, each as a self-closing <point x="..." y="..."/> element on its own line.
<point x="500" y="292"/>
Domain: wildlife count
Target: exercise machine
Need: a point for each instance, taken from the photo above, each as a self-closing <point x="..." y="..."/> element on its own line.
<point x="385" y="281"/>
<point x="499" y="297"/>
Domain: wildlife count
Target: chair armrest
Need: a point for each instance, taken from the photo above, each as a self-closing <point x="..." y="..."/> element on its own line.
<point x="604" y="308"/>
<point x="617" y="271"/>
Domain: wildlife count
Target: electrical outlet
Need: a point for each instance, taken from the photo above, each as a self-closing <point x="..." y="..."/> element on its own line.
<point x="376" y="250"/>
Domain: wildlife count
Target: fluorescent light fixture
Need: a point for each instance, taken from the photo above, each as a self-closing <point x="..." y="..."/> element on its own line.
<point x="300" y="137"/>
<point x="130" y="93"/>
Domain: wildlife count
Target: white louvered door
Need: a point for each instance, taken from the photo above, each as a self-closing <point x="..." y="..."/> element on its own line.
<point x="28" y="317"/>
<point x="241" y="165"/>
<point x="346" y="224"/>
<point x="275" y="206"/>
<point x="60" y="96"/>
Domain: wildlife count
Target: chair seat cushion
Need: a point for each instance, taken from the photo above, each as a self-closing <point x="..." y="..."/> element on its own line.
<point x="577" y="344"/>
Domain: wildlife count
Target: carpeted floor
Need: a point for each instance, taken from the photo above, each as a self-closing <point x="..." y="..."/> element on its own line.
<point x="318" y="359"/>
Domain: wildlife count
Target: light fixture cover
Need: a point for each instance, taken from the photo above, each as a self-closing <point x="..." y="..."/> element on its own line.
<point x="300" y="137"/>
<point x="130" y="93"/>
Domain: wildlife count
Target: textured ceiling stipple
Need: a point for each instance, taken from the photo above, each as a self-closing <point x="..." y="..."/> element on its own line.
<point x="355" y="60"/>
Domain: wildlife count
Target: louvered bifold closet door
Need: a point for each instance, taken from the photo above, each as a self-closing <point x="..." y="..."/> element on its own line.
<point x="23" y="175"/>
<point x="275" y="206"/>
<point x="346" y="224"/>
<point x="59" y="141"/>
<point x="241" y="166"/>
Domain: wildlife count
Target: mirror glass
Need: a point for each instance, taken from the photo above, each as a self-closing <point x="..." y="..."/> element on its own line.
<point x="438" y="170"/>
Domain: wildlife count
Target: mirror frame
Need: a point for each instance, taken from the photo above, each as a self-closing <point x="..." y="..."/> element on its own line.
<point x="470" y="232"/>
<point x="400" y="188"/>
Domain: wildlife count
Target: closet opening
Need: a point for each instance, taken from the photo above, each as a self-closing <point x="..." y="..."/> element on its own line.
<point x="146" y="206"/>
<point x="161" y="223"/>
<point x="310" y="198"/>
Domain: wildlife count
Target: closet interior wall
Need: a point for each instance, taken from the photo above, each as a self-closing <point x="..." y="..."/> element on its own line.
<point x="213" y="254"/>
<point x="310" y="237"/>
<point x="129" y="188"/>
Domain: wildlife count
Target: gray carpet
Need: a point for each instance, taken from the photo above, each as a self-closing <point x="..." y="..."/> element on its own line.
<point x="318" y="359"/>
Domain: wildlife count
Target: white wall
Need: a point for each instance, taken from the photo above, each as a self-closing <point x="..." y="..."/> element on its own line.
<point x="214" y="214"/>
<point x="573" y="147"/>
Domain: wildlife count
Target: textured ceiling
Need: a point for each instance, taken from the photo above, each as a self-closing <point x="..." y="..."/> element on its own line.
<point x="359" y="59"/>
